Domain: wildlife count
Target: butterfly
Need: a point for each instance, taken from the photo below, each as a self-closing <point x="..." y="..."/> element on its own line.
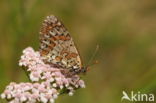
<point x="57" y="47"/>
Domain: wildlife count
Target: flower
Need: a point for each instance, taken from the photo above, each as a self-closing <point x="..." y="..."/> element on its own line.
<point x="46" y="84"/>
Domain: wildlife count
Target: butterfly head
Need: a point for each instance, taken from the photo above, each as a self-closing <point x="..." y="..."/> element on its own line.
<point x="83" y="70"/>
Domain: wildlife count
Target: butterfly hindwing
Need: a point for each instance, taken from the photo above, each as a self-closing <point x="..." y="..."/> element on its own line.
<point x="57" y="46"/>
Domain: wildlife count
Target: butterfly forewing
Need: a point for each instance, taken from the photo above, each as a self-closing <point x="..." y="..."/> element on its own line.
<point x="57" y="46"/>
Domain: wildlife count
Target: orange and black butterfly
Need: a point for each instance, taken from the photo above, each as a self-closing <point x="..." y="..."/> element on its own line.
<point x="57" y="47"/>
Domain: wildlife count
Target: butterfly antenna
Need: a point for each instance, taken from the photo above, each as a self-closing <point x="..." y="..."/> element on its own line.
<point x="92" y="57"/>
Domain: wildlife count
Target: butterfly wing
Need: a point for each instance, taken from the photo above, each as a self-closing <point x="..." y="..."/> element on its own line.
<point x="57" y="46"/>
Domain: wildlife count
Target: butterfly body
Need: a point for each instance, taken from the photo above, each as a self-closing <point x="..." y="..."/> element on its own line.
<point x="57" y="47"/>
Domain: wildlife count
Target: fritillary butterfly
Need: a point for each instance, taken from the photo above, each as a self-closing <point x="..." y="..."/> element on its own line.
<point x="57" y="47"/>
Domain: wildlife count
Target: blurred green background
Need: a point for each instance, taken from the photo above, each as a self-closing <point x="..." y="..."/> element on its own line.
<point x="125" y="30"/>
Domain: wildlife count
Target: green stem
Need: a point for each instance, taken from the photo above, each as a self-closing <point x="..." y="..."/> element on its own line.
<point x="26" y="72"/>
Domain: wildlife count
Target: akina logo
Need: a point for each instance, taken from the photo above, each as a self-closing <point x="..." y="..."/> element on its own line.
<point x="137" y="96"/>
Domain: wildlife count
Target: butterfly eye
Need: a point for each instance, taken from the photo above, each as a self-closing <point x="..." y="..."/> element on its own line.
<point x="83" y="70"/>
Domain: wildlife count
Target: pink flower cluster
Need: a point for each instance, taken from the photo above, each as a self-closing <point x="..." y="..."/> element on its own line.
<point x="47" y="82"/>
<point x="29" y="93"/>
